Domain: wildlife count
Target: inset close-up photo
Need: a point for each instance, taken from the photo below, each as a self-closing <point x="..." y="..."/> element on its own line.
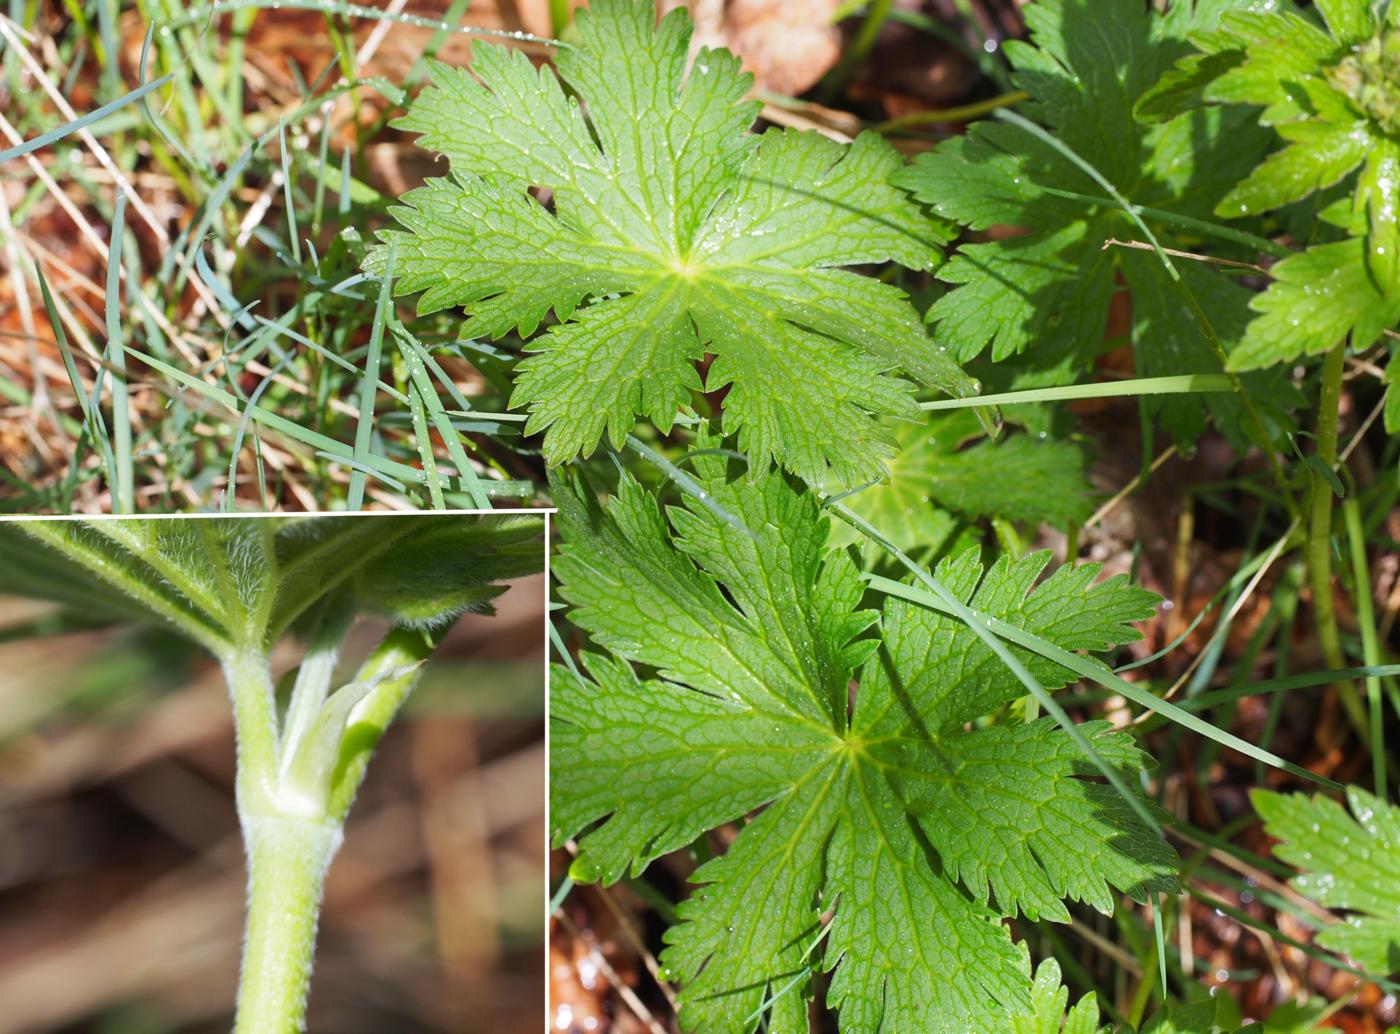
<point x="272" y="772"/>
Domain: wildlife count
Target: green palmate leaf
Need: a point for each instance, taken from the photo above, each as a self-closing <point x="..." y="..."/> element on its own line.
<point x="674" y="232"/>
<point x="28" y="570"/>
<point x="741" y="709"/>
<point x="1021" y="477"/>
<point x="201" y="576"/>
<point x="236" y="584"/>
<point x="1049" y="1000"/>
<point x="1349" y="862"/>
<point x="1318" y="297"/>
<point x="1195" y="1018"/>
<point x="1046" y="293"/>
<point x="1331" y="94"/>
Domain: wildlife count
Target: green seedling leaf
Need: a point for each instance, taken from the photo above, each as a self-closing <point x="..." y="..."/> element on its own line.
<point x="1044" y="295"/>
<point x="919" y="833"/>
<point x="1349" y="862"/>
<point x="674" y="232"/>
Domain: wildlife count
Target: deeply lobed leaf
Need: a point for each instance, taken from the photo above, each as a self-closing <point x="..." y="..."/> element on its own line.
<point x="1049" y="999"/>
<point x="1345" y="861"/>
<point x="1328" y="91"/>
<point x="675" y="233"/>
<point x="1045" y="294"/>
<point x="741" y="710"/>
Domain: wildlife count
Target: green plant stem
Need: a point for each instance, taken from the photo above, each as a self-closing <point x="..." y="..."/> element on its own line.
<point x="255" y="724"/>
<point x="560" y="14"/>
<point x="1319" y="546"/>
<point x="289" y="847"/>
<point x="962" y="113"/>
<point x="1370" y="646"/>
<point x="287" y="862"/>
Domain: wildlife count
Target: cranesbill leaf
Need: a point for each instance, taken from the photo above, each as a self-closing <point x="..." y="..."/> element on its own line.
<point x="1317" y="298"/>
<point x="740" y="712"/>
<point x="1349" y="862"/>
<point x="1007" y="811"/>
<point x="675" y="232"/>
<point x="942" y="471"/>
<point x="1046" y="293"/>
<point x="235" y="584"/>
<point x="1048" y="1001"/>
<point x="1330" y="93"/>
<point x="447" y="568"/>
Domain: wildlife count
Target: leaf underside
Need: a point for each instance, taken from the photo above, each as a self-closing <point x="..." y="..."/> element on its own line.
<point x="236" y="584"/>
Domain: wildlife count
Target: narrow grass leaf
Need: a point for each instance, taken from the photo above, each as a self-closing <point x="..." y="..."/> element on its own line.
<point x="369" y="385"/>
<point x="1193" y="383"/>
<point x="416" y="358"/>
<point x="123" y="493"/>
<point x="68" y="128"/>
<point x="94" y="426"/>
<point x="425" y="448"/>
<point x="1103" y="676"/>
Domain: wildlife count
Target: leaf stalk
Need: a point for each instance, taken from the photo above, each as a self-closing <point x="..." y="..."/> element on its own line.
<point x="1319" y="547"/>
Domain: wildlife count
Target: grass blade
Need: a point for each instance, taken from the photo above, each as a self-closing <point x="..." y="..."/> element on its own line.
<point x="123" y="492"/>
<point x="93" y="424"/>
<point x="71" y="127"/>
<point x="1184" y="384"/>
<point x="369" y="387"/>
<point x="1096" y="672"/>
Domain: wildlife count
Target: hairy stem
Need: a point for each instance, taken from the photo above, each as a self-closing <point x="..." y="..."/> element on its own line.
<point x="291" y="837"/>
<point x="1320" y="531"/>
<point x="288" y="848"/>
<point x="1370" y="645"/>
<point x="287" y="862"/>
<point x="255" y="725"/>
